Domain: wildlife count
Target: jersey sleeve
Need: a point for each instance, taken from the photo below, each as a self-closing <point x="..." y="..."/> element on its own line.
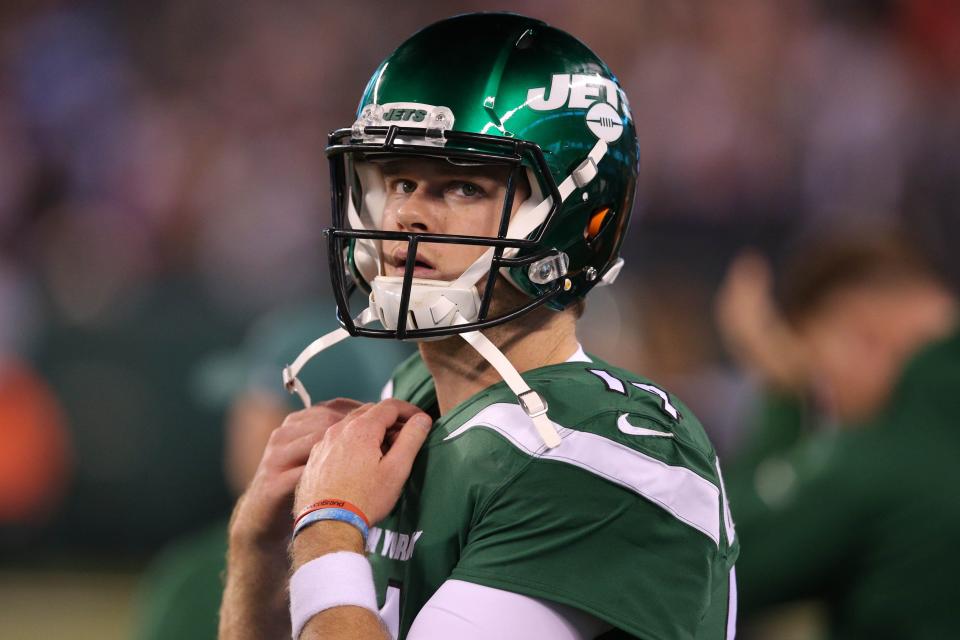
<point x="469" y="611"/>
<point x="574" y="529"/>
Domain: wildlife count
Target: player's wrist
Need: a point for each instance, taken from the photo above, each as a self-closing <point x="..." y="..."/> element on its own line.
<point x="270" y="543"/>
<point x="321" y="538"/>
<point x="257" y="528"/>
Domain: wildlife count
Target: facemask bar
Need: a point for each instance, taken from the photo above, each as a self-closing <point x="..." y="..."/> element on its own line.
<point x="462" y="147"/>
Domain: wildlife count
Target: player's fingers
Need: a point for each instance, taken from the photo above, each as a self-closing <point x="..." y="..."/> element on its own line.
<point x="316" y="418"/>
<point x="351" y="420"/>
<point x="341" y="405"/>
<point x="383" y="415"/>
<point x="404" y="408"/>
<point x="296" y="452"/>
<point x="373" y="422"/>
<point x="399" y="459"/>
<point x="336" y="406"/>
<point x="358" y="411"/>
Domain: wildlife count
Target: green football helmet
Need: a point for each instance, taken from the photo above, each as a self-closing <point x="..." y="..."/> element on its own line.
<point x="478" y="89"/>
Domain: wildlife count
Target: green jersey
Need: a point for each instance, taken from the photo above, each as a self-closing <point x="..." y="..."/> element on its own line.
<point x="626" y="519"/>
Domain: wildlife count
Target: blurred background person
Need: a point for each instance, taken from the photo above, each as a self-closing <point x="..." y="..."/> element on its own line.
<point x="182" y="588"/>
<point x="845" y="512"/>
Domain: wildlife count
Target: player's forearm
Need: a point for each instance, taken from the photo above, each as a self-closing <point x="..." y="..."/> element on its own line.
<point x="255" y="596"/>
<point x="337" y="623"/>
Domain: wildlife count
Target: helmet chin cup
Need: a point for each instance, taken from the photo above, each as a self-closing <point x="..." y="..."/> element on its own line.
<point x="433" y="303"/>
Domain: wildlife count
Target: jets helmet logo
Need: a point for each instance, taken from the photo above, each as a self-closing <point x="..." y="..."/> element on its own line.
<point x="606" y="103"/>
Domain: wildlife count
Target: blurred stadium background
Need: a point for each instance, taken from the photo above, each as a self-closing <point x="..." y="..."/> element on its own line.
<point x="163" y="186"/>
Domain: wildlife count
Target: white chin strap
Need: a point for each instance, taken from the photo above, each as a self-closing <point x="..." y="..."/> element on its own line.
<point x="531" y="401"/>
<point x="437" y="303"/>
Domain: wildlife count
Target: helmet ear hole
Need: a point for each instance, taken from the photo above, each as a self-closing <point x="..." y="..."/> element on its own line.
<point x="598" y="222"/>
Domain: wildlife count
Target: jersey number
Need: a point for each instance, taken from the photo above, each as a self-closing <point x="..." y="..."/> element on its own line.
<point x="616" y="385"/>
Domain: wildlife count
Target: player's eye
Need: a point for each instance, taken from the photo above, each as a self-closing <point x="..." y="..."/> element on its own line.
<point x="405" y="186"/>
<point x="467" y="189"/>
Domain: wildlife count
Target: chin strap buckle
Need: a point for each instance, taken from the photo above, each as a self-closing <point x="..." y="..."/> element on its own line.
<point x="533" y="405"/>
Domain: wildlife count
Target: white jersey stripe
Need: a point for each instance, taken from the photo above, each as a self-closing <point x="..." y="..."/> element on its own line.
<point x="727" y="516"/>
<point x="678" y="490"/>
<point x="732" y="605"/>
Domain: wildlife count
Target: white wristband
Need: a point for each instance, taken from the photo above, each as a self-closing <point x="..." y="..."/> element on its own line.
<point x="336" y="579"/>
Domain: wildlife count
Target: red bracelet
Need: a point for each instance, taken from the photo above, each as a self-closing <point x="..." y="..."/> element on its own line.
<point x="332" y="503"/>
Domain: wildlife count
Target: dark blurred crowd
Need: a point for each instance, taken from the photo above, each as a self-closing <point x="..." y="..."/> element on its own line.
<point x="163" y="185"/>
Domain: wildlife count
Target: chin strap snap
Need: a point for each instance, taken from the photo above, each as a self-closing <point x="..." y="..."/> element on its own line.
<point x="290" y="380"/>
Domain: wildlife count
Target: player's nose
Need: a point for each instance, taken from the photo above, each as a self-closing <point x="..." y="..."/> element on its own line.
<point x="416" y="214"/>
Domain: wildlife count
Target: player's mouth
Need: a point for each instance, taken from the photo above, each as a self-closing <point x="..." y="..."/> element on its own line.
<point x="396" y="263"/>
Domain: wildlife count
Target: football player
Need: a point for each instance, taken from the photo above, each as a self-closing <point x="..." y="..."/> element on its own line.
<point x="510" y="486"/>
<point x="840" y="508"/>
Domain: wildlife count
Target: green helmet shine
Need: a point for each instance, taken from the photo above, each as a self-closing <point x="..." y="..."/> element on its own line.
<point x="483" y="67"/>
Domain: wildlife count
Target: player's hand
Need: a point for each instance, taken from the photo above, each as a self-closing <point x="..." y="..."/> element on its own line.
<point x="262" y="515"/>
<point x="357" y="462"/>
